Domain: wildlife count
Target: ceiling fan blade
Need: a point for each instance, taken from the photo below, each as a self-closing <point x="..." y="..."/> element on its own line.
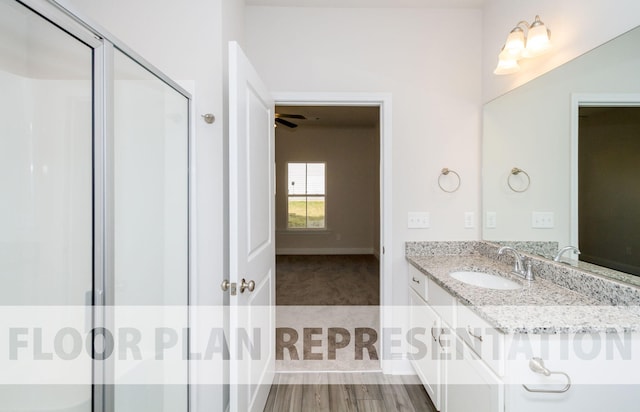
<point x="290" y="116"/>
<point x="286" y="123"/>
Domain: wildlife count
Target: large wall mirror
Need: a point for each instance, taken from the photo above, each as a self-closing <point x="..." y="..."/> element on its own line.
<point x="535" y="128"/>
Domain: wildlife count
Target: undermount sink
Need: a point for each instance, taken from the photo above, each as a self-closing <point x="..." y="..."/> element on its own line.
<point x="485" y="280"/>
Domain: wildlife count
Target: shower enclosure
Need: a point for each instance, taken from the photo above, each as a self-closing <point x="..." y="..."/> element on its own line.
<point x="94" y="189"/>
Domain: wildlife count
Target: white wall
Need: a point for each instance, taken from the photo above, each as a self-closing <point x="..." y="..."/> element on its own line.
<point x="577" y="26"/>
<point x="429" y="65"/>
<point x="352" y="188"/>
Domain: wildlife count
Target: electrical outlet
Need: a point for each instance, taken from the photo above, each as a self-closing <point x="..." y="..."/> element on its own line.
<point x="469" y="220"/>
<point x="491" y="220"/>
<point x="542" y="220"/>
<point x="418" y="220"/>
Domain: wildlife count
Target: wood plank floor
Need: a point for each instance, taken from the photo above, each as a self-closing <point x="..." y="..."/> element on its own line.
<point x="347" y="392"/>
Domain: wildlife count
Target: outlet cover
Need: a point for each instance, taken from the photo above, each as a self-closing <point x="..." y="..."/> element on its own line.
<point x="491" y="221"/>
<point x="469" y="220"/>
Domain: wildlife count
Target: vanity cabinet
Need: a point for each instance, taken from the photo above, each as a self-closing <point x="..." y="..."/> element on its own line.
<point x="600" y="373"/>
<point x="472" y="366"/>
<point x="452" y="372"/>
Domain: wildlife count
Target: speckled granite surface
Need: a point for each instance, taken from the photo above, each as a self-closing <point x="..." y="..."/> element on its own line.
<point x="603" y="271"/>
<point x="602" y="284"/>
<point x="542" y="306"/>
<point x="547" y="250"/>
<point x="441" y="248"/>
<point x="599" y="285"/>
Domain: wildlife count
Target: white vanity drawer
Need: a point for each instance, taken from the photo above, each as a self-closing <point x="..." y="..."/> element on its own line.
<point x="418" y="281"/>
<point x="442" y="302"/>
<point x="482" y="338"/>
<point x="471" y="385"/>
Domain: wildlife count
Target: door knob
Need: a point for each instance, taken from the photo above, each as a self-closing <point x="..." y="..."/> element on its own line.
<point x="225" y="285"/>
<point x="247" y="285"/>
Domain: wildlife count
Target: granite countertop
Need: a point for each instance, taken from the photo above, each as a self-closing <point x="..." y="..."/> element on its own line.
<point x="540" y="307"/>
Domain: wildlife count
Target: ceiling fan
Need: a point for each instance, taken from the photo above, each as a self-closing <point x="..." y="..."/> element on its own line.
<point x="280" y="119"/>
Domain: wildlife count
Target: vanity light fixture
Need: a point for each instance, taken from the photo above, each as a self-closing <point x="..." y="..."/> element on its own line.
<point x="507" y="64"/>
<point x="519" y="45"/>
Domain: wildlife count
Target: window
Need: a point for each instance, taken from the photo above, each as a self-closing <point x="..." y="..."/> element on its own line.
<point x="306" y="196"/>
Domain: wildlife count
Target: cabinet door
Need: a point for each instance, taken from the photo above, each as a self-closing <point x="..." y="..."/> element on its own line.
<point x="425" y="352"/>
<point x="471" y="385"/>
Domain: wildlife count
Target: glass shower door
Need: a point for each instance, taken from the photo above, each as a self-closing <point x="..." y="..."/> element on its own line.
<point x="150" y="204"/>
<point x="46" y="203"/>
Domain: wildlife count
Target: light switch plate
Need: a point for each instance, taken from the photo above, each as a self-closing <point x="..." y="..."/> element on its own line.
<point x="542" y="220"/>
<point x="418" y="220"/>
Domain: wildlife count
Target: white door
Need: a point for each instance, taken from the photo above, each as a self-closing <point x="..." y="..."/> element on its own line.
<point x="251" y="235"/>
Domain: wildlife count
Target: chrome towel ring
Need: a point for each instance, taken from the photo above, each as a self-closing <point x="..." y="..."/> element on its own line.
<point x="515" y="172"/>
<point x="537" y="366"/>
<point x="444" y="172"/>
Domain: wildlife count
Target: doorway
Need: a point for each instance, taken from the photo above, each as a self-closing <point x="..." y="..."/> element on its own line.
<point x="328" y="208"/>
<point x="328" y="236"/>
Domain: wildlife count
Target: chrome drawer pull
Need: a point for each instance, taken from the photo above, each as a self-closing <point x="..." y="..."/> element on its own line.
<point x="537" y="365"/>
<point x="479" y="337"/>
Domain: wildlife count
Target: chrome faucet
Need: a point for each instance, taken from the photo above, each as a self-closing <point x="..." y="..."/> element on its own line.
<point x="522" y="265"/>
<point x="563" y="250"/>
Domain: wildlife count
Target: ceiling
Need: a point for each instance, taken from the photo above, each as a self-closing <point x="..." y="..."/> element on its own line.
<point x="332" y="116"/>
<point x="448" y="4"/>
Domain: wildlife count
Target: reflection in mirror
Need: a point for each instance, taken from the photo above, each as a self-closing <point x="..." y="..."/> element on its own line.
<point x="608" y="195"/>
<point x="531" y="127"/>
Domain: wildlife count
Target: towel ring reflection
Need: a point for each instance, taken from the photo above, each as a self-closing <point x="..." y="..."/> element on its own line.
<point x="514" y="172"/>
<point x="444" y="172"/>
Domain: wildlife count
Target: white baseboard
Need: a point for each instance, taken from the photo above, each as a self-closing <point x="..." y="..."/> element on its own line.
<point x="402" y="367"/>
<point x="325" y="251"/>
<point x="398" y="365"/>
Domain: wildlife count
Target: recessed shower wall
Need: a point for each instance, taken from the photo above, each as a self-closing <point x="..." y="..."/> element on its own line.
<point x="94" y="181"/>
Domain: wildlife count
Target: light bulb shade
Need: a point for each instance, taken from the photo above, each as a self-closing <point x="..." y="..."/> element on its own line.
<point x="515" y="43"/>
<point x="507" y="64"/>
<point x="538" y="39"/>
